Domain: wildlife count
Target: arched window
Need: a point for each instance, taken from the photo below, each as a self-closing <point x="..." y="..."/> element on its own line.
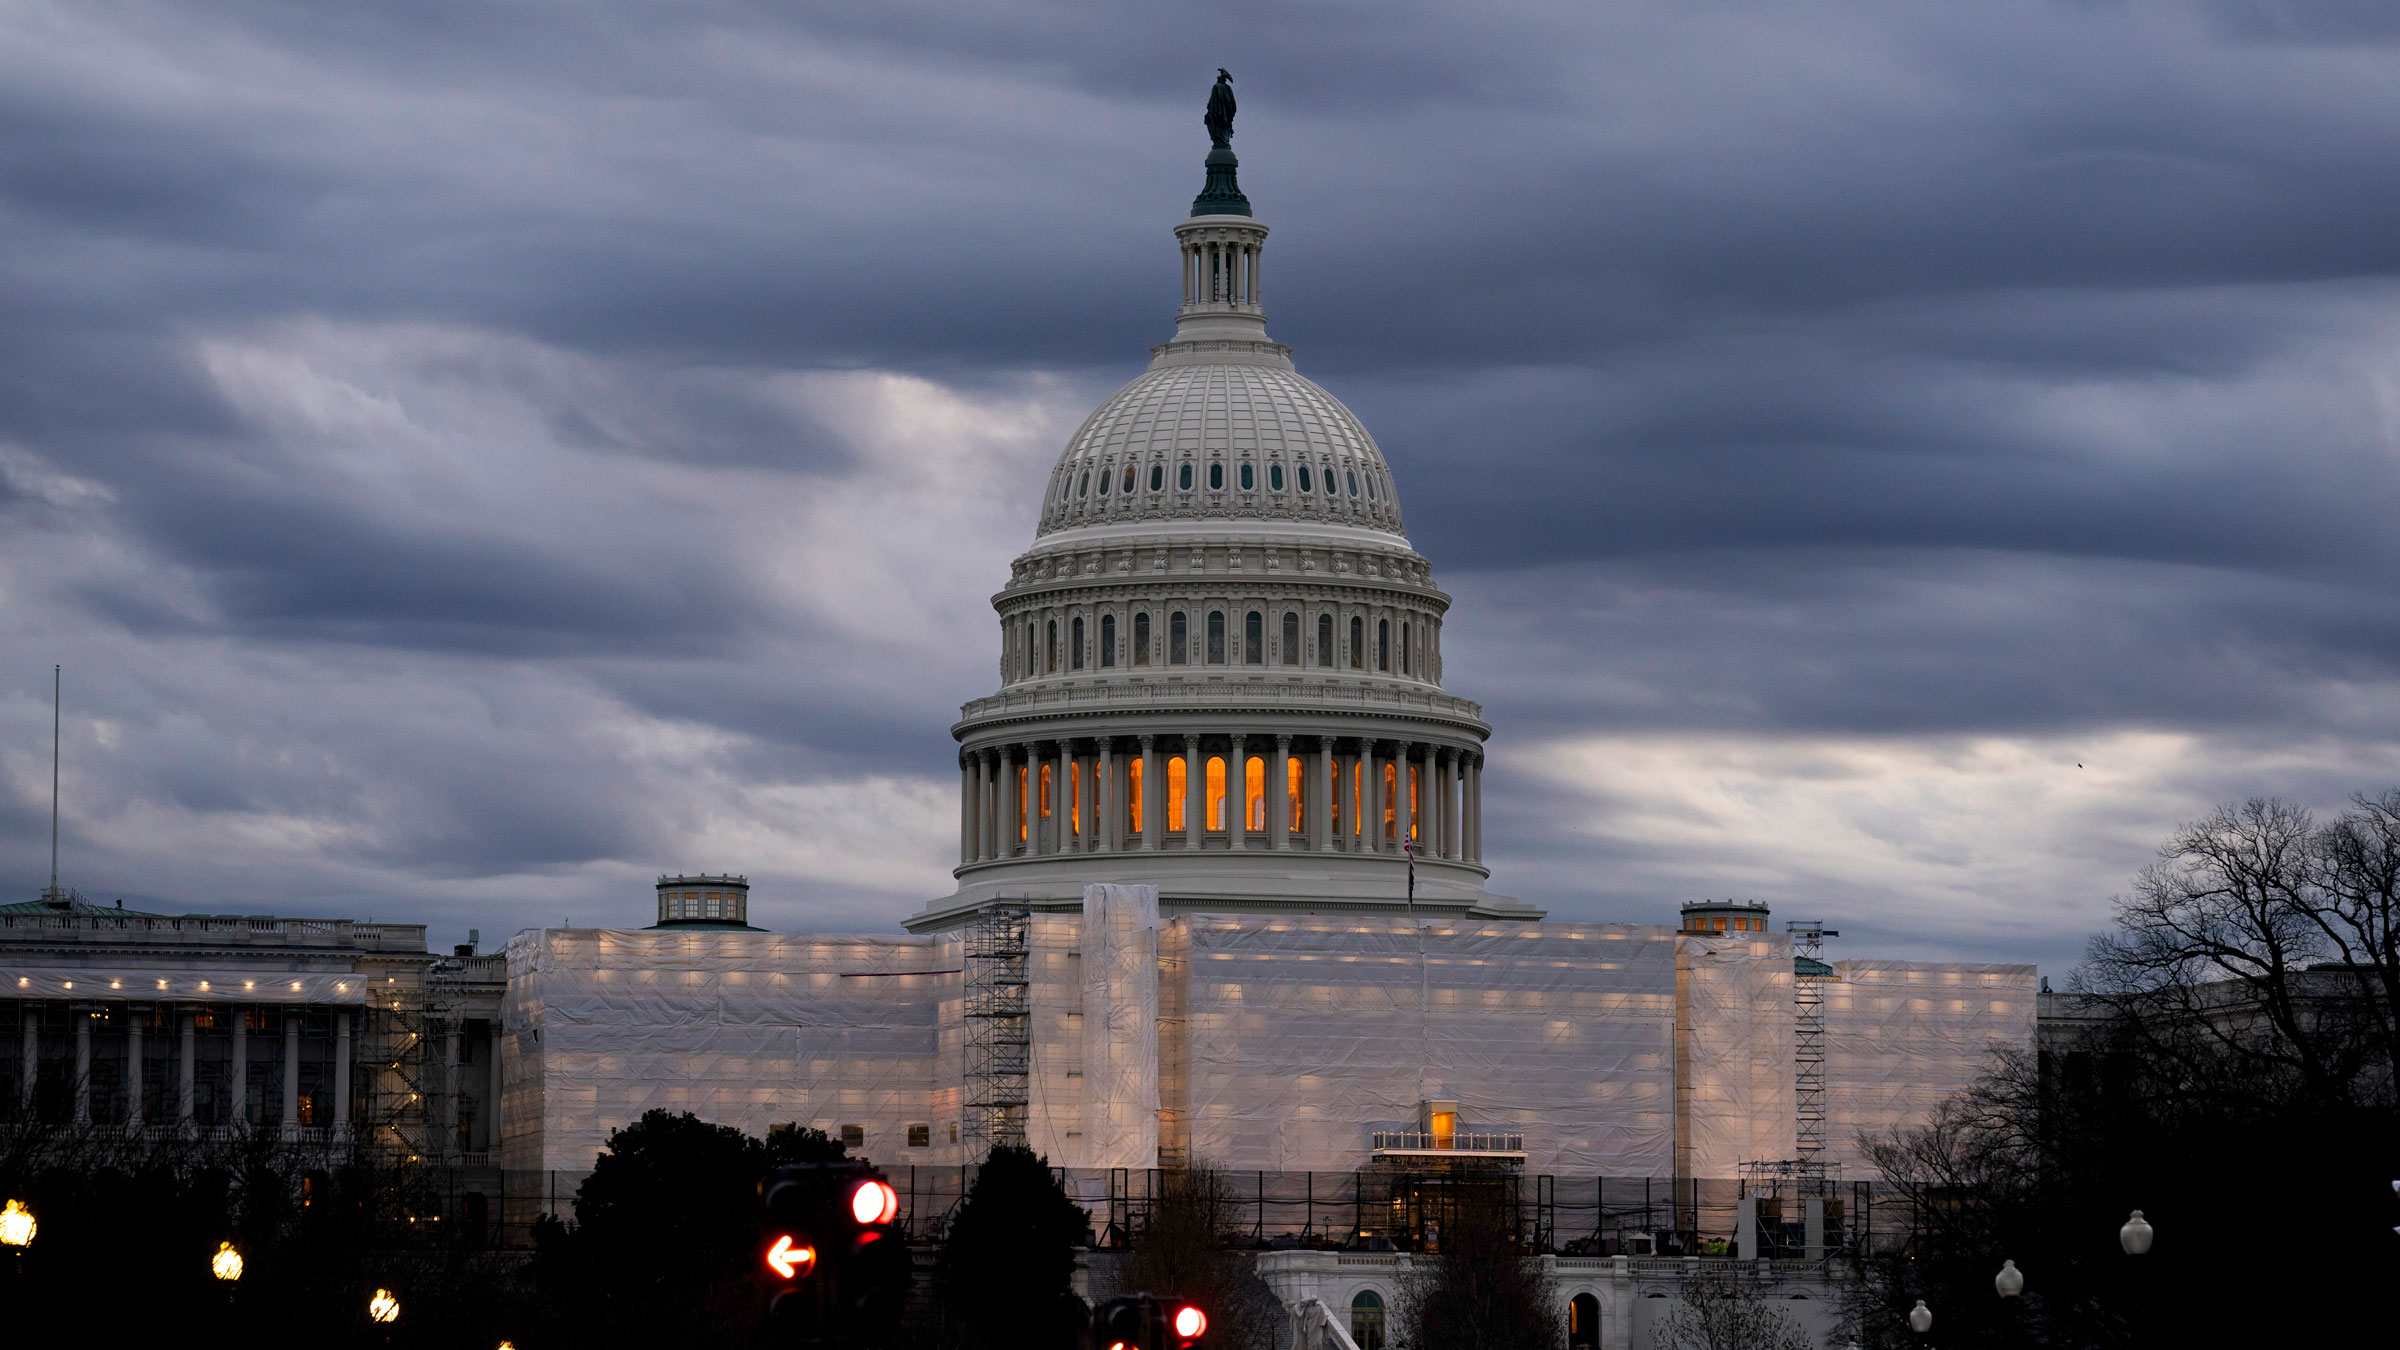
<point x="1254" y="794"/>
<point x="1391" y="799"/>
<point x="1030" y="642"/>
<point x="1178" y="648"/>
<point x="1583" y="1323"/>
<point x="1158" y="477"/>
<point x="1105" y="475"/>
<point x="1075" y="652"/>
<point x="1021" y="803"/>
<point x="1416" y="787"/>
<point x="1305" y="484"/>
<point x="1108" y="640"/>
<point x="1372" y="494"/>
<point x="1291" y="637"/>
<point x="1325" y="640"/>
<point x="1352" y="475"/>
<point x="1052" y="668"/>
<point x="1330" y="489"/>
<point x="1216" y="637"/>
<point x="1141" y="639"/>
<point x="1249" y="477"/>
<point x="1183" y="477"/>
<point x="1275" y="477"/>
<point x="1404" y="649"/>
<point x="1358" y="643"/>
<point x="1216" y="477"/>
<point x="1045" y="797"/>
<point x="1366" y="1320"/>
<point x="1133" y="794"/>
<point x="1254" y="639"/>
<point x="1294" y="776"/>
<point x="1086" y="489"/>
<point x="1213" y="814"/>
<point x="1129" y="478"/>
<point x="1383" y="645"/>
<point x="1071" y="797"/>
<point x="1178" y="788"/>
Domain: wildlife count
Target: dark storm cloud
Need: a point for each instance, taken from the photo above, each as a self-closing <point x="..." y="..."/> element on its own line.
<point x="475" y="457"/>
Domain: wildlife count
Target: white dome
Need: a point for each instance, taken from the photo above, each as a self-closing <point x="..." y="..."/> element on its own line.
<point x="1176" y="443"/>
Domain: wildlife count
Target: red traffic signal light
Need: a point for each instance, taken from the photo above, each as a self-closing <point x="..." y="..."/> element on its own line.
<point x="872" y="1201"/>
<point x="1189" y="1324"/>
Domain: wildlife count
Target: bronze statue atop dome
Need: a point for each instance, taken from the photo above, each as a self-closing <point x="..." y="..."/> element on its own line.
<point x="1219" y="117"/>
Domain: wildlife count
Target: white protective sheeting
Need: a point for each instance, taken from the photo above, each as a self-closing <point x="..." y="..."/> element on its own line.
<point x="1120" y="1026"/>
<point x="743" y="1029"/>
<point x="1902" y="1035"/>
<point x="1303" y="1036"/>
<point x="1734" y="1073"/>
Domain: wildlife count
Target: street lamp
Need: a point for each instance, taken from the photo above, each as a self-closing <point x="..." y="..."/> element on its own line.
<point x="16" y="1224"/>
<point x="226" y="1265"/>
<point x="2010" y="1282"/>
<point x="2134" y="1237"/>
<point x="1920" y="1318"/>
<point x="383" y="1307"/>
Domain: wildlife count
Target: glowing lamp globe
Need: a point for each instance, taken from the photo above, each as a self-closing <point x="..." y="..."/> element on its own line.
<point x="226" y="1264"/>
<point x="16" y="1224"/>
<point x="1920" y="1318"/>
<point x="384" y="1306"/>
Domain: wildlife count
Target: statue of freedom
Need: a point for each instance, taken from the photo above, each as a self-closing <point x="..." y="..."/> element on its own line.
<point x="1220" y="109"/>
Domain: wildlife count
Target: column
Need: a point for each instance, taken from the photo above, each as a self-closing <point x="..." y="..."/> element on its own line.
<point x="1195" y="791"/>
<point x="1404" y="767"/>
<point x="1321" y="797"/>
<point x="987" y="801"/>
<point x="291" y="1072"/>
<point x="341" y="1072"/>
<point x="29" y="1039"/>
<point x="240" y="1072"/>
<point x="1439" y="813"/>
<point x="454" y="1036"/>
<point x="133" y="1068"/>
<point x="1279" y="799"/>
<point x="1107" y="813"/>
<point x="1154" y="786"/>
<point x="1012" y="810"/>
<point x="83" y="1062"/>
<point x="1371" y="819"/>
<point x="1473" y="809"/>
<point x="966" y="813"/>
<point x="491" y="1118"/>
<point x="183" y="1071"/>
<point x="1237" y="796"/>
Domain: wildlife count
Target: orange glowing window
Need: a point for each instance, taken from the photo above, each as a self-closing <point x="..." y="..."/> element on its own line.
<point x="1075" y="797"/>
<point x="1391" y="800"/>
<point x="1416" y="780"/>
<point x="1045" y="802"/>
<point x="1178" y="789"/>
<point x="1214" y="814"/>
<point x="1254" y="794"/>
<point x="1133" y="796"/>
<point x="1020" y="803"/>
<point x="1293" y="779"/>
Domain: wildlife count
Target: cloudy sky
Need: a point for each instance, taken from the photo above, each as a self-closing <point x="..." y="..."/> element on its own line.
<point x="1894" y="460"/>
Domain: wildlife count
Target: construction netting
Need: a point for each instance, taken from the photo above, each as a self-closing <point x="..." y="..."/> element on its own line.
<point x="1120" y="1026"/>
<point x="1303" y="1039"/>
<point x="1902" y="1035"/>
<point x="740" y="1028"/>
<point x="1734" y="1074"/>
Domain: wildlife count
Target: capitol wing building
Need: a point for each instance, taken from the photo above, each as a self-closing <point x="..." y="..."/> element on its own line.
<point x="1221" y="889"/>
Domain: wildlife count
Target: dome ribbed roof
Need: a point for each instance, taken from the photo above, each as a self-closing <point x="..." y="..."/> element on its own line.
<point x="1232" y="415"/>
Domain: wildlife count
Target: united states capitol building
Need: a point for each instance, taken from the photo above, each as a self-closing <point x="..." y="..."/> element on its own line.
<point x="1221" y="897"/>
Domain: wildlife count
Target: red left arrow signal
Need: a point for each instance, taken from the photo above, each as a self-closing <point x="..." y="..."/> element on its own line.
<point x="789" y="1260"/>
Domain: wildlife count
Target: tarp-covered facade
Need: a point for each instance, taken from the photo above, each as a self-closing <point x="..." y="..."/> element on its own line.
<point x="1255" y="1042"/>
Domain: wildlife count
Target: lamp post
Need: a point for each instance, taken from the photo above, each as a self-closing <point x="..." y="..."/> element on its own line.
<point x="2010" y="1282"/>
<point x="1920" y="1318"/>
<point x="2134" y="1237"/>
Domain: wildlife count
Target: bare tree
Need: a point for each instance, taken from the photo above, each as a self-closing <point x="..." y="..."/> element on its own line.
<point x="1728" y="1310"/>
<point x="1186" y="1251"/>
<point x="1485" y="1289"/>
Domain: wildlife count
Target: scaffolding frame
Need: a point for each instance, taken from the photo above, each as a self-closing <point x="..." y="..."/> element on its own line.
<point x="1809" y="974"/>
<point x="999" y="1010"/>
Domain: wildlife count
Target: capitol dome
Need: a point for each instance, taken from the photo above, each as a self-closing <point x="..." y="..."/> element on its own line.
<point x="1220" y="660"/>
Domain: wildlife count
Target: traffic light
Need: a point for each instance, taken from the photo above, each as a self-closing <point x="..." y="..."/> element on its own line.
<point x="1142" y="1322"/>
<point x="836" y="1272"/>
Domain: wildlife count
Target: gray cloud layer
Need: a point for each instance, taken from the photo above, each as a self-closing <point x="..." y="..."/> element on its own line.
<point x="470" y="460"/>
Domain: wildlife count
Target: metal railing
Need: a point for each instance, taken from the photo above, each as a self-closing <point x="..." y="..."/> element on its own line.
<point x="1419" y="1141"/>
